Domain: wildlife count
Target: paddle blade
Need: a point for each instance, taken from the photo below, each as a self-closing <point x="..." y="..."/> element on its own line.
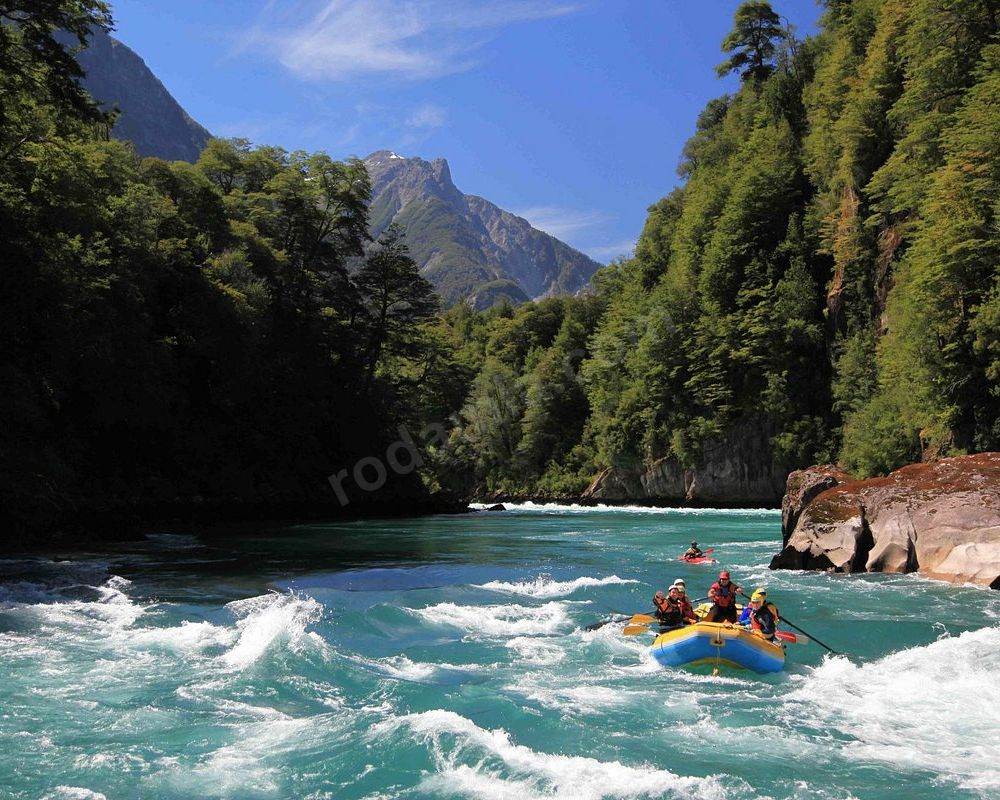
<point x="642" y="619"/>
<point x="634" y="630"/>
<point x="793" y="638"/>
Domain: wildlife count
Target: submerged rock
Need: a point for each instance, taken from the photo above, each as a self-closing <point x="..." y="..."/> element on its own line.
<point x="940" y="518"/>
<point x="496" y="507"/>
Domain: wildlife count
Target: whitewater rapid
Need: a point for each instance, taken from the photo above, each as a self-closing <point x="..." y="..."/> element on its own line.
<point x="159" y="675"/>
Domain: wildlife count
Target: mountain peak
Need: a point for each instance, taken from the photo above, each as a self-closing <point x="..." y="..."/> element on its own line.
<point x="469" y="248"/>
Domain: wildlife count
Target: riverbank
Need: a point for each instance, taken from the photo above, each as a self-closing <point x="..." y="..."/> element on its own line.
<point x="123" y="524"/>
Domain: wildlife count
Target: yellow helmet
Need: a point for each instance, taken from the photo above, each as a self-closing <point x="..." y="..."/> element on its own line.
<point x="758" y="596"/>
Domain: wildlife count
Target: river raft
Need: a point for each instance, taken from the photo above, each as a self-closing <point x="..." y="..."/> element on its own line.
<point x="717" y="645"/>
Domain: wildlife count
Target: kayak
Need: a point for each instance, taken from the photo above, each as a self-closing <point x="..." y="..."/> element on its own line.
<point x="717" y="644"/>
<point x="699" y="560"/>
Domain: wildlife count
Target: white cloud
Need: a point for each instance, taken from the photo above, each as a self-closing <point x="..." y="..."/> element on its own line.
<point x="562" y="222"/>
<point x="427" y="116"/>
<point x="612" y="251"/>
<point x="341" y="39"/>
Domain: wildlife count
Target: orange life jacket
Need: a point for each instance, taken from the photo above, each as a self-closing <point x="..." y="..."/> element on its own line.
<point x="723" y="596"/>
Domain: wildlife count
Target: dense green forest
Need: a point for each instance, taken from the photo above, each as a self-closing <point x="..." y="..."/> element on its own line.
<point x="827" y="271"/>
<point x="226" y="333"/>
<point x="175" y="336"/>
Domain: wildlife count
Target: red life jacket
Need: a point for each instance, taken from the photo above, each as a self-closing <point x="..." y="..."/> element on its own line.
<point x="723" y="597"/>
<point x="661" y="606"/>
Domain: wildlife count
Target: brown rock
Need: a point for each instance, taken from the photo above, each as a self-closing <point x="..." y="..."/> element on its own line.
<point x="940" y="518"/>
<point x="801" y="488"/>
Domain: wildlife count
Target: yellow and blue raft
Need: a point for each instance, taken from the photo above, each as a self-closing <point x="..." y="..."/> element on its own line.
<point x="716" y="644"/>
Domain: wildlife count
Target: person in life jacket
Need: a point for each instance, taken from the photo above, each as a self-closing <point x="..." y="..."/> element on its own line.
<point x="668" y="612"/>
<point x="693" y="551"/>
<point x="723" y="597"/>
<point x="687" y="611"/>
<point x="763" y="616"/>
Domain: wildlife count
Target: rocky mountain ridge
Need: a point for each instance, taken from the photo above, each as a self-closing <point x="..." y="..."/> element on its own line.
<point x="149" y="116"/>
<point x="468" y="247"/>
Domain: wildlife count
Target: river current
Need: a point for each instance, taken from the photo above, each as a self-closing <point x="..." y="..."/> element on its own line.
<point x="445" y="657"/>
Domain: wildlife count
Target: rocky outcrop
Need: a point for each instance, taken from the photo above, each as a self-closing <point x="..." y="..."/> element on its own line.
<point x="735" y="469"/>
<point x="940" y="518"/>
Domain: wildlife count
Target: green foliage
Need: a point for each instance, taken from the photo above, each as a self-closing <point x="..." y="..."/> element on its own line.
<point x="182" y="336"/>
<point x="751" y="42"/>
<point x="827" y="272"/>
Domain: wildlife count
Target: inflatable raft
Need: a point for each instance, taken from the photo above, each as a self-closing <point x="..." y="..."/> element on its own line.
<point x="716" y="644"/>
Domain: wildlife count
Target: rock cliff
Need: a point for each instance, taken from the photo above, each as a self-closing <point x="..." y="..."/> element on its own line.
<point x="940" y="518"/>
<point x="735" y="469"/>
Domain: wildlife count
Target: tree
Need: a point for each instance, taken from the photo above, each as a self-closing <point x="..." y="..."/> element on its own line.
<point x="751" y="42"/>
<point x="398" y="300"/>
<point x="40" y="91"/>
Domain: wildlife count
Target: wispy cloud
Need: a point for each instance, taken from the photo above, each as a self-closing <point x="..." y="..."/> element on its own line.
<point x="426" y="117"/>
<point x="612" y="251"/>
<point x="562" y="223"/>
<point x="342" y="39"/>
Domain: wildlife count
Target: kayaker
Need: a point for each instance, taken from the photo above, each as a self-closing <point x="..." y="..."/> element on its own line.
<point x="763" y="616"/>
<point x="723" y="596"/>
<point x="693" y="552"/>
<point x="668" y="609"/>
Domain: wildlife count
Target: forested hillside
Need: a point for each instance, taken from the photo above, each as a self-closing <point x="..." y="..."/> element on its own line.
<point x="825" y="275"/>
<point x="176" y="337"/>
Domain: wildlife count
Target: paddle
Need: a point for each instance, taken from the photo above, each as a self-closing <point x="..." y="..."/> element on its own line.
<point x="808" y="635"/>
<point x="635" y="630"/>
<point x="616" y="616"/>
<point x="791" y="638"/>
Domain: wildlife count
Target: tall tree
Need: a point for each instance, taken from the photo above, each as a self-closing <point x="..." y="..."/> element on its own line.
<point x="751" y="43"/>
<point x="398" y="300"/>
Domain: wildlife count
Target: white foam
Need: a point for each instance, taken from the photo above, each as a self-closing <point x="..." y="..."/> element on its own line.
<point x="600" y="508"/>
<point x="498" y="621"/>
<point x="576" y="699"/>
<point x="935" y="707"/>
<point x="269" y="619"/>
<point x="186" y="637"/>
<point x="486" y="764"/>
<point x="536" y="651"/>
<point x="402" y="667"/>
<point x="545" y="587"/>
<point x="73" y="793"/>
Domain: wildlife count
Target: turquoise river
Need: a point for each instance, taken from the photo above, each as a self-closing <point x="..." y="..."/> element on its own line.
<point x="445" y="657"/>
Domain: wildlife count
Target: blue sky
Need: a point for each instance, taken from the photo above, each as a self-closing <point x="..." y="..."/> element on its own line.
<point x="571" y="113"/>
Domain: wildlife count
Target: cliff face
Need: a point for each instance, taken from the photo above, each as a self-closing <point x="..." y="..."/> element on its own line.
<point x="736" y="469"/>
<point x="940" y="518"/>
